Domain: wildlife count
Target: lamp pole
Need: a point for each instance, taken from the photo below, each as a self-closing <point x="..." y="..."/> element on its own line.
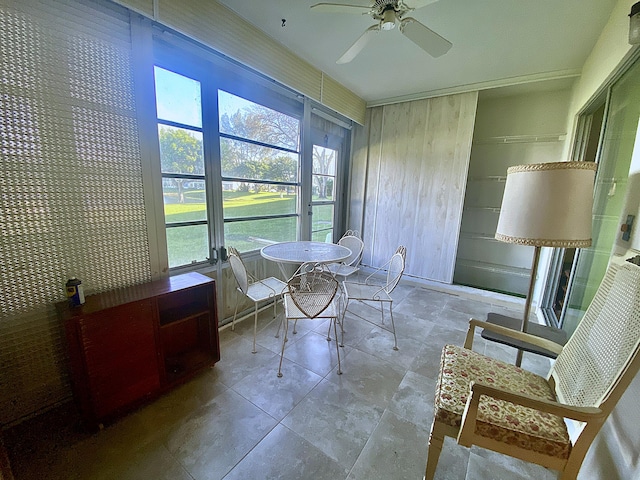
<point x="527" y="303"/>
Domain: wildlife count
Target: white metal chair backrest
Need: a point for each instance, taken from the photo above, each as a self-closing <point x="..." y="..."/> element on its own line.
<point x="312" y="289"/>
<point x="605" y="342"/>
<point x="396" y="268"/>
<point x="352" y="241"/>
<point x="239" y="270"/>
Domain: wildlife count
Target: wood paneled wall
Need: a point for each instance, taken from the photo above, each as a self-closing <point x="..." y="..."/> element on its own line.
<point x="409" y="174"/>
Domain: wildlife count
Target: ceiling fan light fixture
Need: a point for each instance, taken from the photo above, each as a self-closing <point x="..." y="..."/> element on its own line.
<point x="388" y="21"/>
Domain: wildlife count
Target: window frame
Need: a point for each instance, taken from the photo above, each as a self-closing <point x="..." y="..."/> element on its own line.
<point x="214" y="76"/>
<point x="297" y="184"/>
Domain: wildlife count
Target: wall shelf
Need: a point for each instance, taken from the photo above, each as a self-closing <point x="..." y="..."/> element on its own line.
<point x="546" y="138"/>
<point x="487" y="209"/>
<point x="489" y="178"/>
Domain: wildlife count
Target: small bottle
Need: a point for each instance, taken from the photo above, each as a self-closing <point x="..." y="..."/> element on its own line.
<point x="75" y="292"/>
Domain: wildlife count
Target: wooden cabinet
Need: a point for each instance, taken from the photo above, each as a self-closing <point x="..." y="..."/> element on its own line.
<point x="129" y="345"/>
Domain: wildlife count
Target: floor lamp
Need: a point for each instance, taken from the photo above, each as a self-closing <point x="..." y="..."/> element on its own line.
<point x="544" y="205"/>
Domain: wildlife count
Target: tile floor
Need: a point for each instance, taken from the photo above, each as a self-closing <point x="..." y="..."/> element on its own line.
<point x="238" y="420"/>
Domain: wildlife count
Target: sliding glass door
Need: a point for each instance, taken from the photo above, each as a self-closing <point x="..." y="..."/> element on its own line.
<point x="619" y="134"/>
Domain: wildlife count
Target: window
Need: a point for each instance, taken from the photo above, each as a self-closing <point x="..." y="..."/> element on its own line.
<point x="230" y="165"/>
<point x="235" y="170"/>
<point x="180" y="133"/>
<point x="260" y="164"/>
<point x="322" y="194"/>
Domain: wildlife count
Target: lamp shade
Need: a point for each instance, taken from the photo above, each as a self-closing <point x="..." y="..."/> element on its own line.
<point x="548" y="205"/>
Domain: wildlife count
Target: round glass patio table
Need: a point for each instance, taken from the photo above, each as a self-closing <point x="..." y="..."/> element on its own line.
<point x="304" y="251"/>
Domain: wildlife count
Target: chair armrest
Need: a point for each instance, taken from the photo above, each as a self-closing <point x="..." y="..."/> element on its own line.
<point x="509" y="332"/>
<point x="476" y="390"/>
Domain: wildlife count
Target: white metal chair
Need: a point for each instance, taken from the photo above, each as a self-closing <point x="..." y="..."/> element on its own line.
<point x="311" y="293"/>
<point x="485" y="402"/>
<point x="349" y="266"/>
<point x="256" y="290"/>
<point x="374" y="293"/>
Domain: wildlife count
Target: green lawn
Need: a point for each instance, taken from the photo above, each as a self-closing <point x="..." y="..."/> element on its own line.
<point x="191" y="243"/>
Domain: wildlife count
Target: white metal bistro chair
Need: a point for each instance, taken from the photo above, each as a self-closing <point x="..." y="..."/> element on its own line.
<point x="254" y="289"/>
<point x="311" y="293"/>
<point x="370" y="292"/>
<point x="495" y="405"/>
<point x="350" y="265"/>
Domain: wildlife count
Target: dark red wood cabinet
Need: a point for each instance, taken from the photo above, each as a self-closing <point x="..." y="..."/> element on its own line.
<point x="129" y="345"/>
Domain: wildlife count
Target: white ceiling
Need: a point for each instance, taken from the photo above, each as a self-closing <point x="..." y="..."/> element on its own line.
<point x="495" y="43"/>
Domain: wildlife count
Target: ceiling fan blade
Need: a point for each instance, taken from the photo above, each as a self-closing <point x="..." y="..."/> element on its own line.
<point x="415" y="4"/>
<point x="359" y="44"/>
<point x="424" y="37"/>
<point x="340" y="8"/>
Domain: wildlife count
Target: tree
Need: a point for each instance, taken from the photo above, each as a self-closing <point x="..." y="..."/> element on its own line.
<point x="180" y="152"/>
<point x="242" y="159"/>
<point x="323" y="164"/>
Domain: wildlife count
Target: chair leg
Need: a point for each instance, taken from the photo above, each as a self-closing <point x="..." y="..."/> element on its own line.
<point x="275" y="303"/>
<point x="281" y="321"/>
<point x="436" y="440"/>
<point x="341" y="320"/>
<point x="335" y="332"/>
<point x="235" y="313"/>
<point x="284" y="342"/>
<point x="393" y="327"/>
<point x="344" y="314"/>
<point x="255" y="327"/>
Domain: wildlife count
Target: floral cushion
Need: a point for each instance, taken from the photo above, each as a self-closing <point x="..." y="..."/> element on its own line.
<point x="498" y="419"/>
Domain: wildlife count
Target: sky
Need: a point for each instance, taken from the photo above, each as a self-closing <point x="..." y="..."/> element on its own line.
<point x="179" y="99"/>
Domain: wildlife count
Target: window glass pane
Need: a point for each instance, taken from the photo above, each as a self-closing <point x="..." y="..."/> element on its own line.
<point x="254" y="199"/>
<point x="255" y="234"/>
<point x="178" y="98"/>
<point x="246" y="160"/>
<point x="325" y="236"/>
<point x="324" y="161"/>
<point x="187" y="245"/>
<point x="245" y="119"/>
<point x="180" y="150"/>
<point x="322" y="188"/>
<point x="184" y="200"/>
<point x="322" y="223"/>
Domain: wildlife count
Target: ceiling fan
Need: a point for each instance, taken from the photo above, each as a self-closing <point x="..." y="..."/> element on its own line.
<point x="390" y="13"/>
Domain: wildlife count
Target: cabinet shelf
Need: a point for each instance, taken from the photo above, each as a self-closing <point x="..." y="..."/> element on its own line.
<point x="176" y="315"/>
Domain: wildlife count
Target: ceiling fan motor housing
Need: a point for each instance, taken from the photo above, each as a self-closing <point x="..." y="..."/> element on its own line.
<point x="388" y="21"/>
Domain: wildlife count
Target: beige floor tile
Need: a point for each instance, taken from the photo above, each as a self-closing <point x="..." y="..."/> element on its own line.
<point x="335" y="420"/>
<point x="284" y="455"/>
<point x="396" y="449"/>
<point x="238" y="420"/>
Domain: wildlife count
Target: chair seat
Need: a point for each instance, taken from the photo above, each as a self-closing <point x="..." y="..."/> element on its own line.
<point x="361" y="291"/>
<point x="294" y="313"/>
<point x="342" y="270"/>
<point x="498" y="419"/>
<point x="264" y="289"/>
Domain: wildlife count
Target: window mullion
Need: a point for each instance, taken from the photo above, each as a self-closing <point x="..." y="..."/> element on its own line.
<point x="306" y="169"/>
<point x="213" y="171"/>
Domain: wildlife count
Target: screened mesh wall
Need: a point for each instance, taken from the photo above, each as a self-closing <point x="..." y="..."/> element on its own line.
<point x="71" y="198"/>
